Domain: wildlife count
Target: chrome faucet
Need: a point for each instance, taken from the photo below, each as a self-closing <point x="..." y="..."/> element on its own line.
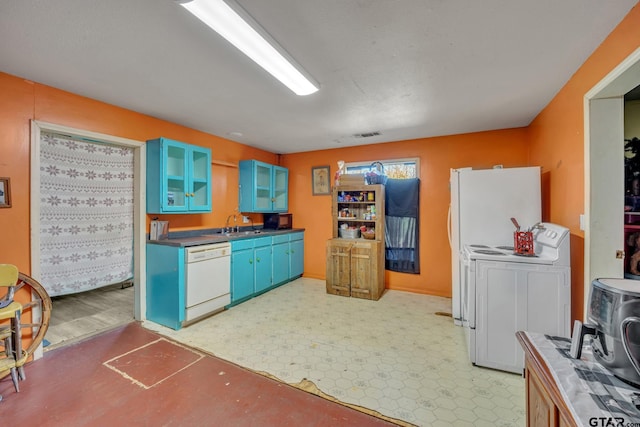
<point x="235" y="228"/>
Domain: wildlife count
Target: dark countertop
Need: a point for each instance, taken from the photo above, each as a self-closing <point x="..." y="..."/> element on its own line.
<point x="214" y="235"/>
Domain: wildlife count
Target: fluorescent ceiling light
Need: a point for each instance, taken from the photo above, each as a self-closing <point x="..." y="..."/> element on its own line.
<point x="245" y="34"/>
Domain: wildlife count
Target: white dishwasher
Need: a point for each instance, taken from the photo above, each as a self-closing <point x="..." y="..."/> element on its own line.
<point x="208" y="279"/>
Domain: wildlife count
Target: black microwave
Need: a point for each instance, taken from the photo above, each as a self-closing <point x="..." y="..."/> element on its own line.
<point x="277" y="221"/>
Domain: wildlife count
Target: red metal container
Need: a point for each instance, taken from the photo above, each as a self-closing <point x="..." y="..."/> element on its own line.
<point x="523" y="243"/>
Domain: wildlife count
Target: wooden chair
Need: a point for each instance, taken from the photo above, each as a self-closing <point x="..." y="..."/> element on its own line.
<point x="10" y="334"/>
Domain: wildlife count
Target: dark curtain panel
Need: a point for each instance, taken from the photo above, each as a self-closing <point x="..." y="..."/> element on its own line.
<point x="402" y="201"/>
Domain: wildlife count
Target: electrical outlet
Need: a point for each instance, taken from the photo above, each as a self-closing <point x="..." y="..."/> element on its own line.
<point x="245" y="219"/>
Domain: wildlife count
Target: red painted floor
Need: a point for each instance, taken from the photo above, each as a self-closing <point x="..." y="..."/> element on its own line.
<point x="131" y="376"/>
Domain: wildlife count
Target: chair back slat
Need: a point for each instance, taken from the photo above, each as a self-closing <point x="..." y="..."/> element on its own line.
<point x="8" y="275"/>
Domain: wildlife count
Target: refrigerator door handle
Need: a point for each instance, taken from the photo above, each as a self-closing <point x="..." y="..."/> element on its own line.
<point x="449" y="226"/>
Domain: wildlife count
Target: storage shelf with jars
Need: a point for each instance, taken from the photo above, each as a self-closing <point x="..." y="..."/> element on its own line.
<point x="358" y="211"/>
<point x="355" y="254"/>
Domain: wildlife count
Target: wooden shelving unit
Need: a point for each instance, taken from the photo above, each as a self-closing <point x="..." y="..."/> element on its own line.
<point x="355" y="265"/>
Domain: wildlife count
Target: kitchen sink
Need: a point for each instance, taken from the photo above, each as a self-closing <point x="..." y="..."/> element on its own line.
<point x="234" y="233"/>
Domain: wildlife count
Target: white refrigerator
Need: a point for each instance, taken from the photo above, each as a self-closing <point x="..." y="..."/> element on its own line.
<point x="483" y="201"/>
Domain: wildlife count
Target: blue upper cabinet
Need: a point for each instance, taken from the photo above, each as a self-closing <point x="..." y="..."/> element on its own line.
<point x="263" y="187"/>
<point x="178" y="177"/>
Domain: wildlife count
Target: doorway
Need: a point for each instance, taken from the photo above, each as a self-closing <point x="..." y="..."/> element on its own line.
<point x="604" y="172"/>
<point x="137" y="305"/>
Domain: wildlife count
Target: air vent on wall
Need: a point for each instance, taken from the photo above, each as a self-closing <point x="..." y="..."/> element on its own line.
<point x="366" y="135"/>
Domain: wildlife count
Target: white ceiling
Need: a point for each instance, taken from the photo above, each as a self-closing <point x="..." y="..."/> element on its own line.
<point x="405" y="68"/>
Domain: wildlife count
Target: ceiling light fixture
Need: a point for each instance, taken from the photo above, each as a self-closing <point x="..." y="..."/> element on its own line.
<point x="234" y="24"/>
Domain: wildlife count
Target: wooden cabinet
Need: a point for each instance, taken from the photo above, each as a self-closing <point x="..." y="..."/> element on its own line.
<point x="355" y="268"/>
<point x="541" y="411"/>
<point x="178" y="177"/>
<point x="263" y="187"/>
<point x="355" y="265"/>
<point x="545" y="404"/>
<point x="355" y="206"/>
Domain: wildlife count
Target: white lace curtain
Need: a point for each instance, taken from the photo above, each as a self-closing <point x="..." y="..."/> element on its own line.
<point x="86" y="214"/>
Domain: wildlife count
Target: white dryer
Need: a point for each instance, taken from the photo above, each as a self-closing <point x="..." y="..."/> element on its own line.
<point x="505" y="293"/>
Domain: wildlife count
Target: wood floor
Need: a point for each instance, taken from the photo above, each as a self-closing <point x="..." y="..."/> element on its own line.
<point x="78" y="316"/>
<point x="132" y="376"/>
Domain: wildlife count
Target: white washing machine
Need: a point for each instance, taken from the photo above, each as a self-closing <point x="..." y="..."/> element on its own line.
<point x="504" y="293"/>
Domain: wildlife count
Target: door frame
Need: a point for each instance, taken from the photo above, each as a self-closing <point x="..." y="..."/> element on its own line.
<point x="603" y="123"/>
<point x="139" y="213"/>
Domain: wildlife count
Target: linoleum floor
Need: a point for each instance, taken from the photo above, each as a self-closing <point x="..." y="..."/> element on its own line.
<point x="396" y="356"/>
<point x="131" y="376"/>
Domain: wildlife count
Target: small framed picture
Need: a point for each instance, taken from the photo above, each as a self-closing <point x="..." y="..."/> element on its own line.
<point x="320" y="180"/>
<point x="5" y="193"/>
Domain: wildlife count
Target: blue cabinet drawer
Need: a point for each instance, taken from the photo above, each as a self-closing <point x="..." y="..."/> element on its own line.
<point x="296" y="236"/>
<point x="262" y="241"/>
<point x="281" y="238"/>
<point x="238" y="245"/>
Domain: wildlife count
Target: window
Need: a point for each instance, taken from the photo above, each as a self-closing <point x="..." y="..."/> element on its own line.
<point x="402" y="239"/>
<point x="393" y="168"/>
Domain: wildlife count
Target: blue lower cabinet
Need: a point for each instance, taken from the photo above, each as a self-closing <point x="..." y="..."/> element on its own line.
<point x="165" y="285"/>
<point x="260" y="264"/>
<point x="242" y="285"/>
<point x="280" y="259"/>
<point x="280" y="263"/>
<point x="296" y="255"/>
<point x="263" y="268"/>
<point x="288" y="257"/>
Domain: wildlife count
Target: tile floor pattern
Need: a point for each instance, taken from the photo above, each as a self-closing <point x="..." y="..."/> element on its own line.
<point x="395" y="355"/>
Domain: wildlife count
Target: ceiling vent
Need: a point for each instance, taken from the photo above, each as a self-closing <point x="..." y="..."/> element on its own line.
<point x="366" y="135"/>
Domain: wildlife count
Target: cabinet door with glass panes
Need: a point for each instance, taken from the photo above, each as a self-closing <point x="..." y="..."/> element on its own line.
<point x="263" y="187"/>
<point x="358" y="212"/>
<point x="178" y="177"/>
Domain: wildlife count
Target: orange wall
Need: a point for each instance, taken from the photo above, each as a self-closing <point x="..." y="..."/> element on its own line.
<point x="554" y="141"/>
<point x="557" y="142"/>
<point x="437" y="157"/>
<point x="23" y="100"/>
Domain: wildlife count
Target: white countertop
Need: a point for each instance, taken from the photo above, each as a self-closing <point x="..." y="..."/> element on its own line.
<point x="589" y="390"/>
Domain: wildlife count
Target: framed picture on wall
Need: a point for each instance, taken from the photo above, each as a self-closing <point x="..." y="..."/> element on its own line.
<point x="5" y="193"/>
<point x="320" y="180"/>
